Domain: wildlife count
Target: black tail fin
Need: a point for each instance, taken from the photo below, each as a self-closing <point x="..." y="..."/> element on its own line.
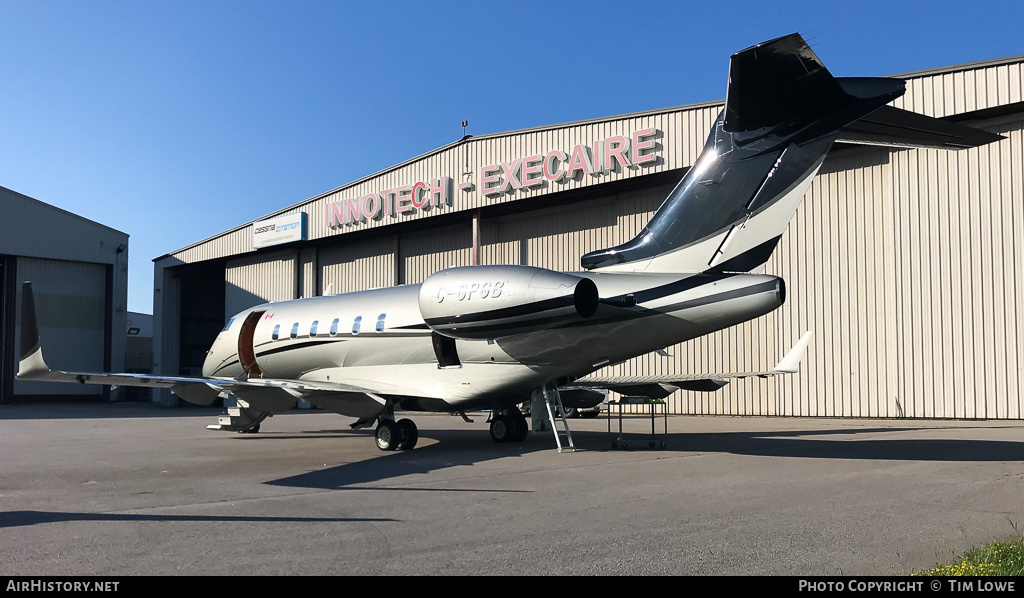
<point x="783" y="111"/>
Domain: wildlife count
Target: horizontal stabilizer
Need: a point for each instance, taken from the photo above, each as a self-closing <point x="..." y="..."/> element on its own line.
<point x="895" y="127"/>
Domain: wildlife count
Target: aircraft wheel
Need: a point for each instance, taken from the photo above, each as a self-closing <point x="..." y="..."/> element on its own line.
<point x="522" y="430"/>
<point x="570" y="412"/>
<point x="250" y="430"/>
<point x="502" y="429"/>
<point x="409" y="434"/>
<point x="389" y="435"/>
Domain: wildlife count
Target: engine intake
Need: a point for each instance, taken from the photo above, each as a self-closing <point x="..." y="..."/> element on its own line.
<point x="485" y="302"/>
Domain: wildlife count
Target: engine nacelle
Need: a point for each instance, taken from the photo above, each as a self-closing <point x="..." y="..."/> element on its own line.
<point x="484" y="302"/>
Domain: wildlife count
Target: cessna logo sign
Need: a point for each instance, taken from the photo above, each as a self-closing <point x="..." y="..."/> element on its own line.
<point x="555" y="167"/>
<point x="283" y="229"/>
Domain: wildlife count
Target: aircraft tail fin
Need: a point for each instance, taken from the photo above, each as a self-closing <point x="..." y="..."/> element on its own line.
<point x="783" y="112"/>
<point x="773" y="82"/>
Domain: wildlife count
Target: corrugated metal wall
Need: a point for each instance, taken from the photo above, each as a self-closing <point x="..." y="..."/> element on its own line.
<point x="253" y="280"/>
<point x="424" y="253"/>
<point x="367" y="264"/>
<point x="907" y="264"/>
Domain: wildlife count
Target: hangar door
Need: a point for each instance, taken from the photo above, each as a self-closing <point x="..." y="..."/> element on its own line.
<point x="257" y="279"/>
<point x="8" y="347"/>
<point x="71" y="305"/>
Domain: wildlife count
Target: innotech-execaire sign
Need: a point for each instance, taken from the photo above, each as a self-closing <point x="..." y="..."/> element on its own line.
<point x="528" y="172"/>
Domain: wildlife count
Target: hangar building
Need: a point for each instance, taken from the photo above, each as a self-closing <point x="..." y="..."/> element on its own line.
<point x="79" y="274"/>
<point x="908" y="264"/>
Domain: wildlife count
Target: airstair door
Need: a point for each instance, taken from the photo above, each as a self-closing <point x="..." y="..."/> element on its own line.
<point x="246" y="348"/>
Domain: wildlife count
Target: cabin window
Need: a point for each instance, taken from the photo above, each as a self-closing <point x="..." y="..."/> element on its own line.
<point x="356" y="324"/>
<point x="295" y="330"/>
<point x="277" y="332"/>
<point x="334" y="327"/>
<point x="228" y="325"/>
<point x="380" y="323"/>
<point x="312" y="328"/>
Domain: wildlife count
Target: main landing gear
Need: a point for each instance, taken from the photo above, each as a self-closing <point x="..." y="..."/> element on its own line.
<point x="396" y="435"/>
<point x="509" y="425"/>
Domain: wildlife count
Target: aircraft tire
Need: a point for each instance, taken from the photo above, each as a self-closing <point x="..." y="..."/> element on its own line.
<point x="502" y="429"/>
<point x="522" y="428"/>
<point x="254" y="429"/>
<point x="410" y="434"/>
<point x="388" y="435"/>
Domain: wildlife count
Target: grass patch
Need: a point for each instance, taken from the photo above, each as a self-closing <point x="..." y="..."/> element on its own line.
<point x="1003" y="558"/>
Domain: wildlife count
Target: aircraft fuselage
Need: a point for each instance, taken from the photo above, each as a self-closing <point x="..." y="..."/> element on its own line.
<point x="380" y="339"/>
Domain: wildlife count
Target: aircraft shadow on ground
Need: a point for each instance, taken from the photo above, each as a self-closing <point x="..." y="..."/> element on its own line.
<point x="96" y="410"/>
<point x="465" y="448"/>
<point x="25" y="518"/>
<point x="799" y="445"/>
<point x="438" y="450"/>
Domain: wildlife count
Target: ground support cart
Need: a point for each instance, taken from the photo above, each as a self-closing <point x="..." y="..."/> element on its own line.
<point x="653" y="442"/>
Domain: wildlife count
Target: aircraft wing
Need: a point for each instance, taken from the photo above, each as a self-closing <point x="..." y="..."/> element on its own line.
<point x="199" y="390"/>
<point x="659" y="387"/>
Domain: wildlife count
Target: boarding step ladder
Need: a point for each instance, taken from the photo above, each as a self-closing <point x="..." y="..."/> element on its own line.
<point x="553" y="402"/>
<point x="241" y="418"/>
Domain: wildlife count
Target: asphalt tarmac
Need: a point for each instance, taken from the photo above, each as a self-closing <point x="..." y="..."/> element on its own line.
<point x="133" y="489"/>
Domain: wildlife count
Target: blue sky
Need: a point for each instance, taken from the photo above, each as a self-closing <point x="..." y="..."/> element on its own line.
<point x="173" y="121"/>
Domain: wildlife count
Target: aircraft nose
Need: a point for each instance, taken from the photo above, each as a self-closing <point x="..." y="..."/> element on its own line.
<point x="219" y="358"/>
<point x="209" y="365"/>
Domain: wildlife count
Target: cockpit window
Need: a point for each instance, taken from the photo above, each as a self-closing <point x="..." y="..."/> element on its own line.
<point x="380" y="323"/>
<point x="277" y="332"/>
<point x="228" y="325"/>
<point x="356" y="324"/>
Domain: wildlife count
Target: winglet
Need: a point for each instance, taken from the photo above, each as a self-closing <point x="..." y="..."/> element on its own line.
<point x="30" y="363"/>
<point x="790" y="364"/>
